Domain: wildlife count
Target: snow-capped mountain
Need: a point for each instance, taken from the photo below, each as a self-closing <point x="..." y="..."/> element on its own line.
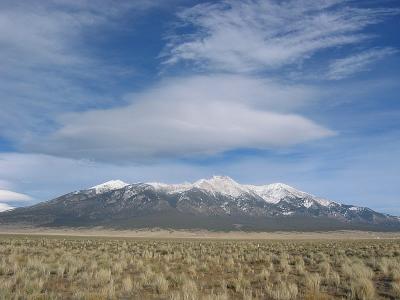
<point x="215" y="203"/>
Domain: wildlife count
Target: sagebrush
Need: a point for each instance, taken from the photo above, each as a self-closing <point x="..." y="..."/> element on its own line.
<point x="100" y="268"/>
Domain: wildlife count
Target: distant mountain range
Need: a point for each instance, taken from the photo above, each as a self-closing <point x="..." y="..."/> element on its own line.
<point x="218" y="203"/>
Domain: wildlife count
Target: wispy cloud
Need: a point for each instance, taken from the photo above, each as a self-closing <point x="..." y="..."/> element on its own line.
<point x="45" y="33"/>
<point x="46" y="59"/>
<point x="345" y="67"/>
<point x="249" y="36"/>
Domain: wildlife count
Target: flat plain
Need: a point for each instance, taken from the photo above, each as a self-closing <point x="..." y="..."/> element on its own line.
<point x="198" y="265"/>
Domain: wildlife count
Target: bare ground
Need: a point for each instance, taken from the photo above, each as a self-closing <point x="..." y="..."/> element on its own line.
<point x="196" y="234"/>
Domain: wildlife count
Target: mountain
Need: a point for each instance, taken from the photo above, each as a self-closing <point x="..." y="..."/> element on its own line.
<point x="218" y="203"/>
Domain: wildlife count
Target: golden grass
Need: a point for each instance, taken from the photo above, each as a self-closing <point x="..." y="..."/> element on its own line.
<point x="101" y="268"/>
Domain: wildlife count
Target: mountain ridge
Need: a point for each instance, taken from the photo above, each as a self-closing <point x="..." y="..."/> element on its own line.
<point x="272" y="193"/>
<point x="214" y="203"/>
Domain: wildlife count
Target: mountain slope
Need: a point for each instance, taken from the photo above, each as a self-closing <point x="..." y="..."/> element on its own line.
<point x="217" y="203"/>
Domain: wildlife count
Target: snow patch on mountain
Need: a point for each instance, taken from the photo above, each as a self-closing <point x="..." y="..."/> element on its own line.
<point x="355" y="208"/>
<point x="323" y="202"/>
<point x="109" y="186"/>
<point x="171" y="188"/>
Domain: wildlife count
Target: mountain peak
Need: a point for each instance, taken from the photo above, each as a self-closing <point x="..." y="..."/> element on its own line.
<point x="275" y="192"/>
<point x="218" y="179"/>
<point x="220" y="184"/>
<point x="279" y="185"/>
<point x="109" y="186"/>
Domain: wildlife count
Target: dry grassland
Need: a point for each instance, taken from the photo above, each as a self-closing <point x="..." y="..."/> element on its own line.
<point x="60" y="267"/>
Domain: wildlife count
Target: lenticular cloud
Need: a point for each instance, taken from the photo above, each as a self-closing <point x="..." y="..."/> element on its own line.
<point x="202" y="115"/>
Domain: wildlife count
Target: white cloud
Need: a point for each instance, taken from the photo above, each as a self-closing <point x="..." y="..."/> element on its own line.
<point x="5" y="207"/>
<point x="201" y="115"/>
<point x="10" y="196"/>
<point x="246" y="36"/>
<point x="345" y="67"/>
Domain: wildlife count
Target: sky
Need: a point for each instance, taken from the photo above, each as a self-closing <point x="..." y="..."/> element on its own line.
<point x="300" y="92"/>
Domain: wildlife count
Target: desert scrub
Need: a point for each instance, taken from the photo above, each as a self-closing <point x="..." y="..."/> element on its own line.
<point x="362" y="288"/>
<point x="101" y="268"/>
<point x="396" y="289"/>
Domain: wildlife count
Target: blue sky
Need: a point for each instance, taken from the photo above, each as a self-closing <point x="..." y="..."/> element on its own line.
<point x="300" y="92"/>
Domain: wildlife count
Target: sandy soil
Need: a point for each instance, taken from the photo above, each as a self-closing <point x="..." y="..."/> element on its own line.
<point x="195" y="234"/>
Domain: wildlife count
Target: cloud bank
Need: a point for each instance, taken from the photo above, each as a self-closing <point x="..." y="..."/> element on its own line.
<point x="200" y="115"/>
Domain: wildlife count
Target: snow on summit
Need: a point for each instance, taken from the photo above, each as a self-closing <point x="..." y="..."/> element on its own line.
<point x="216" y="184"/>
<point x="221" y="184"/>
<point x="109" y="186"/>
<point x="271" y="193"/>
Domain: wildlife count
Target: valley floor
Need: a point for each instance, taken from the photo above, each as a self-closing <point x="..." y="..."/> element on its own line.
<point x="196" y="234"/>
<point x="142" y="266"/>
